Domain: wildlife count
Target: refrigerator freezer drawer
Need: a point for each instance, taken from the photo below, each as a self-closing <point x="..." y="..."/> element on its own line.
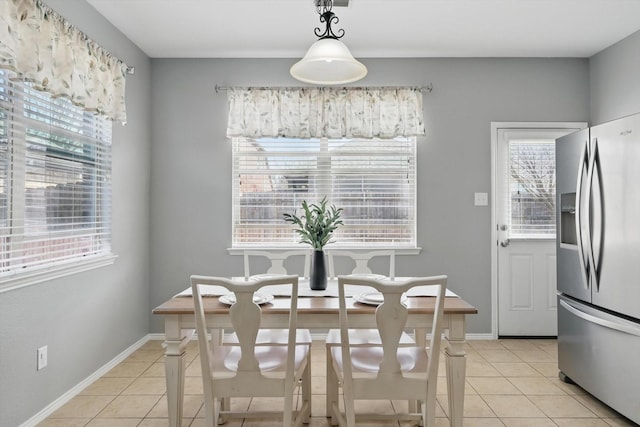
<point x="599" y="352"/>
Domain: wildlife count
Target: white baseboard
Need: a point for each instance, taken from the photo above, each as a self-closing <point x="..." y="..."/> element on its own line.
<point x="470" y="337"/>
<point x="59" y="402"/>
<point x="155" y="337"/>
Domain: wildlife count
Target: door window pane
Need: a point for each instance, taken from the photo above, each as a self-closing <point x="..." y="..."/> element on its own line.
<point x="532" y="188"/>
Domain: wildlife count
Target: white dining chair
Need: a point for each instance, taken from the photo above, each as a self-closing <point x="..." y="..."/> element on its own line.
<point x="276" y="266"/>
<point x="276" y="260"/>
<point x="361" y="260"/>
<point x="386" y="366"/>
<point x="249" y="365"/>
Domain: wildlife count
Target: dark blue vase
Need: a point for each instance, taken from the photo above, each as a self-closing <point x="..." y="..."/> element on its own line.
<point x="318" y="279"/>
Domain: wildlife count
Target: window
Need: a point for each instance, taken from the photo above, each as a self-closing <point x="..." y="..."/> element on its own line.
<point x="373" y="180"/>
<point x="55" y="181"/>
<point x="532" y="186"/>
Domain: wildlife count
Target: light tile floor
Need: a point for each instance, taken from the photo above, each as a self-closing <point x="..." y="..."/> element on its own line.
<point x="510" y="383"/>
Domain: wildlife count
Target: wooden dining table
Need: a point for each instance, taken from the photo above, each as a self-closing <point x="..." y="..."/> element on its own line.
<point x="315" y="313"/>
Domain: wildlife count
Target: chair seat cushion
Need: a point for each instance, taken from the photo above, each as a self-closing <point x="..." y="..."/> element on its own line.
<point x="273" y="336"/>
<point x="367" y="359"/>
<point x="272" y="359"/>
<point x="363" y="337"/>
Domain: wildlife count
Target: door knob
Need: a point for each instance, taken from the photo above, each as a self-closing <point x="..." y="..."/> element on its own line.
<point x="505" y="242"/>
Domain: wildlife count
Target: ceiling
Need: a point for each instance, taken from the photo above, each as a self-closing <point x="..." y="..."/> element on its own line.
<point x="374" y="28"/>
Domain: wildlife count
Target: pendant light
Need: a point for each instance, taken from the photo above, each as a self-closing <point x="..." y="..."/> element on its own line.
<point x="328" y="61"/>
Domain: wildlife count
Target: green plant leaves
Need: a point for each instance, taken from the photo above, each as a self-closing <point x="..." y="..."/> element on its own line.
<point x="317" y="224"/>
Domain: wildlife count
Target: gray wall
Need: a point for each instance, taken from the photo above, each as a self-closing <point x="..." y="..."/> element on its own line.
<point x="89" y="318"/>
<point x="615" y="81"/>
<point x="191" y="168"/>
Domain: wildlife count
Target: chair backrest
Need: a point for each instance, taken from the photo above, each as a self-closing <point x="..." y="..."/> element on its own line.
<point x="361" y="260"/>
<point x="277" y="259"/>
<point x="391" y="320"/>
<point x="246" y="320"/>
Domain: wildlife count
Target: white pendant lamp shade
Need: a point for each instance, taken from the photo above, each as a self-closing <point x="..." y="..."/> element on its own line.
<point x="328" y="62"/>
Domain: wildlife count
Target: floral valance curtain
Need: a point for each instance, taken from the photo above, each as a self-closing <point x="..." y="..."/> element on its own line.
<point x="325" y="112"/>
<point x="41" y="47"/>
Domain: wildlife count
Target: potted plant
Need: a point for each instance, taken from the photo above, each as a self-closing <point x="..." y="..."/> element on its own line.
<point x="315" y="228"/>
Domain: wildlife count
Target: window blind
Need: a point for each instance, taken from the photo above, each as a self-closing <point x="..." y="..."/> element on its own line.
<point x="373" y="180"/>
<point x="532" y="188"/>
<point x="55" y="180"/>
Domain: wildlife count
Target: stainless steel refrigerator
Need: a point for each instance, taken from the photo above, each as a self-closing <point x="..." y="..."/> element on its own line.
<point x="598" y="262"/>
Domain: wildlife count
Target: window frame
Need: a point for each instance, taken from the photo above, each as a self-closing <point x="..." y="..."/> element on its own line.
<point x="526" y="229"/>
<point x="19" y="103"/>
<point x="401" y="248"/>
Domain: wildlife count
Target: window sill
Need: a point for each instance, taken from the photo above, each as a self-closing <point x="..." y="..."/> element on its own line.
<point x="21" y="280"/>
<point x="404" y="250"/>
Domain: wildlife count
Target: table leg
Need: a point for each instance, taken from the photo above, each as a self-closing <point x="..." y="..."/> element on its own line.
<point x="456" y="364"/>
<point x="420" y="336"/>
<point x="174" y="369"/>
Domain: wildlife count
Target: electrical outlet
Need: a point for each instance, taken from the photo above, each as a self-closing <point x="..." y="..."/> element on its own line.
<point x="481" y="199"/>
<point x="42" y="357"/>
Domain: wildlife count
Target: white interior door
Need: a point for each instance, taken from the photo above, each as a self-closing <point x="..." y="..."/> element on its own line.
<point x="525" y="230"/>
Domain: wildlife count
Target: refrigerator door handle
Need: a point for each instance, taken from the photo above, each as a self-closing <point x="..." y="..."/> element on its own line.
<point x="593" y="280"/>
<point x="600" y="321"/>
<point x="582" y="255"/>
<point x="597" y="223"/>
